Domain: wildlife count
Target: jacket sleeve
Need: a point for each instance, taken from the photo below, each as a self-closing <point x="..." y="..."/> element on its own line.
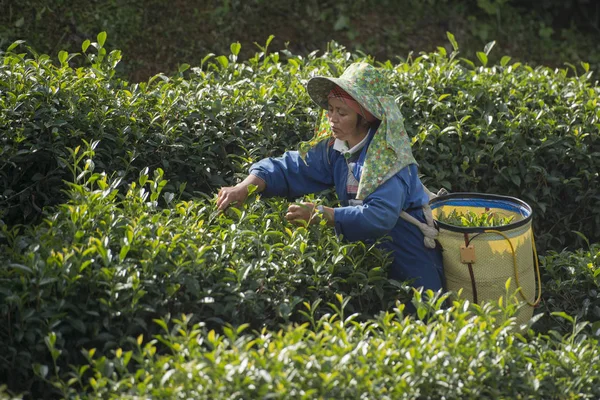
<point x="377" y="215"/>
<point x="290" y="176"/>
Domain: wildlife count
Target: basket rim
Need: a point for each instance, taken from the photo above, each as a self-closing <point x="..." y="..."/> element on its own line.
<point x="498" y="199"/>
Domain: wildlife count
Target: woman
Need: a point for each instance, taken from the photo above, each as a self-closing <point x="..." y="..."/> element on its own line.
<point x="362" y="149"/>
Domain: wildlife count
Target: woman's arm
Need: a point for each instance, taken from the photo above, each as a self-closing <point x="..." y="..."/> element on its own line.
<point x="287" y="176"/>
<point x="373" y="219"/>
<point x="376" y="216"/>
<point x="290" y="176"/>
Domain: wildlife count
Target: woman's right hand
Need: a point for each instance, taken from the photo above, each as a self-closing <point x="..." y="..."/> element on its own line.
<point x="229" y="195"/>
<point x="238" y="194"/>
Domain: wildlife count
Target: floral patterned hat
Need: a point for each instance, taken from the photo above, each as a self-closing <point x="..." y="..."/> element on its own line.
<point x="390" y="149"/>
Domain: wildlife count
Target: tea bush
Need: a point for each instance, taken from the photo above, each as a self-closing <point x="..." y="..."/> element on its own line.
<point x="508" y="129"/>
<point x="115" y="184"/>
<point x="505" y="129"/>
<point x="199" y="130"/>
<point x="463" y="352"/>
<point x="100" y="268"/>
<point x="571" y="285"/>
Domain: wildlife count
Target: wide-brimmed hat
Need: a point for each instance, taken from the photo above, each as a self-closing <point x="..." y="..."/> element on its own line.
<point x="362" y="81"/>
<point x="389" y="150"/>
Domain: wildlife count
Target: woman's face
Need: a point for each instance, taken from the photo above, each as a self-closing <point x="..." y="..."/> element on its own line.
<point x="343" y="121"/>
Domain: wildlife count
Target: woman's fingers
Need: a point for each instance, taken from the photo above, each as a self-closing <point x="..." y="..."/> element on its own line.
<point x="292" y="212"/>
<point x="298" y="212"/>
<point x="231" y="195"/>
<point x="222" y="201"/>
<point x="224" y="198"/>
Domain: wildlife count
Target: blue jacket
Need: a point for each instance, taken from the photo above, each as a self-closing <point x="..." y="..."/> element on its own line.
<point x="289" y="176"/>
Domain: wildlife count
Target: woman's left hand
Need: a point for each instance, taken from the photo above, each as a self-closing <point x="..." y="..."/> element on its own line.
<point x="300" y="214"/>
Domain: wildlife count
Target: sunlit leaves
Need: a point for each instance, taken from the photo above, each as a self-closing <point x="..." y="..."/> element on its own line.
<point x="462" y="351"/>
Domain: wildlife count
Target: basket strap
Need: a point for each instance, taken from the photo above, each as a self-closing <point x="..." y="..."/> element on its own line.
<point x="428" y="229"/>
<point x="470" y="266"/>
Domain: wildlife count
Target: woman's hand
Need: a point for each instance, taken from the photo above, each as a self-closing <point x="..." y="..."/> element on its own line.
<point x="238" y="194"/>
<point x="229" y="195"/>
<point x="301" y="214"/>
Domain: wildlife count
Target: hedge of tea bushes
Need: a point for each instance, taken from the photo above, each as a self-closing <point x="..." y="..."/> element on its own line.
<point x="107" y="269"/>
<point x="571" y="284"/>
<point x="100" y="268"/>
<point x="465" y="351"/>
<point x="200" y="130"/>
<point x="116" y="183"/>
<point x="506" y="129"/>
<point x="509" y="129"/>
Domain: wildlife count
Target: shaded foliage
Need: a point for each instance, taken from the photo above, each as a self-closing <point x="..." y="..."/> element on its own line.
<point x="157" y="36"/>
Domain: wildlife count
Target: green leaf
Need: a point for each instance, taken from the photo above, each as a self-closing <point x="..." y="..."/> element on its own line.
<point x="583" y="237"/>
<point x="468" y="62"/>
<point x="183" y="67"/>
<point x="21" y="267"/>
<point x="452" y="40"/>
<point x="488" y="47"/>
<point x="123" y="252"/>
<point x="596" y="328"/>
<point x="41" y="370"/>
<point x="269" y="40"/>
<point x="62" y="57"/>
<point x="504" y="60"/>
<point x="585" y="66"/>
<point x="497" y="147"/>
<point x="14" y="44"/>
<point x="516" y="179"/>
<point x="563" y="315"/>
<point x="223" y="61"/>
<point x="78" y="324"/>
<point x="168" y="196"/>
<point x="85" y="45"/>
<point x="101" y="38"/>
<point x="574" y="68"/>
<point x="206" y="58"/>
<point x="235" y="48"/>
<point x="162" y="324"/>
<point x="482" y="57"/>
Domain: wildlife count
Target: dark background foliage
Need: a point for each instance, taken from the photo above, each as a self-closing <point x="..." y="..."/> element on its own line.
<point x="157" y="35"/>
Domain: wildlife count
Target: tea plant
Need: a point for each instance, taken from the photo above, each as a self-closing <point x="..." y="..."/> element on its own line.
<point x="505" y="129"/>
<point x="571" y="285"/>
<point x="115" y="185"/>
<point x="473" y="219"/>
<point x="110" y="260"/>
<point x="461" y="352"/>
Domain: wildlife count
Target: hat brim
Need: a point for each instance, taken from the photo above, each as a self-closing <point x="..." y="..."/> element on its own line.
<point x="318" y="89"/>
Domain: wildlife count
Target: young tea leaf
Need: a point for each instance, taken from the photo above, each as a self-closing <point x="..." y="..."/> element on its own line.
<point x="101" y="38"/>
<point x="452" y="40"/>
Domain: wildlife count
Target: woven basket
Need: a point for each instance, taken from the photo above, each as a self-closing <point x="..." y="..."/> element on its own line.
<point x="480" y="260"/>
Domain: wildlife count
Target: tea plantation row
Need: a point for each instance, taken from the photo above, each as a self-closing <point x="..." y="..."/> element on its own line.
<point x="506" y="129"/>
<point x="105" y="269"/>
<point x="124" y="253"/>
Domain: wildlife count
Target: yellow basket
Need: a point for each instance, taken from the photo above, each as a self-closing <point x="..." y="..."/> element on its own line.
<point x="480" y="260"/>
